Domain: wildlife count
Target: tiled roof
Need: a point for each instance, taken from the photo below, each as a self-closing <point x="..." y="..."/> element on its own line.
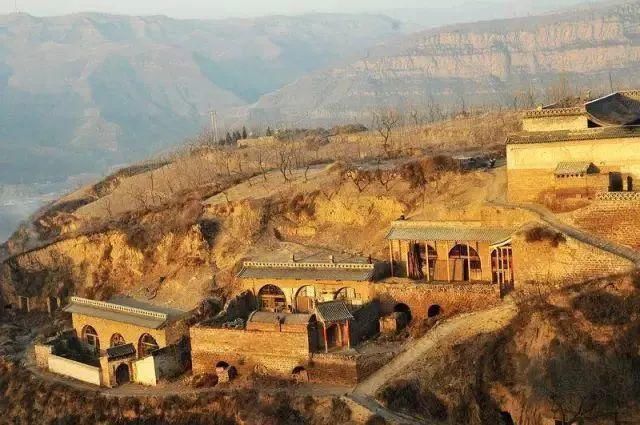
<point x="572" y="168"/>
<point x="121" y="351"/>
<point x="417" y="231"/>
<point x="533" y="137"/>
<point x="123" y="313"/>
<point x="333" y="311"/>
<point x="307" y="271"/>
<point x="554" y="112"/>
<point x="622" y="108"/>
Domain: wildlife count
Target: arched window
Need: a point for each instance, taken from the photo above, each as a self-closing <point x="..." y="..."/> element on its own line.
<point x="421" y="256"/>
<point x="305" y="298"/>
<point x="117" y="339"/>
<point x="465" y="263"/>
<point x="147" y="345"/>
<point x="346" y="294"/>
<point x="90" y="336"/>
<point x="272" y="298"/>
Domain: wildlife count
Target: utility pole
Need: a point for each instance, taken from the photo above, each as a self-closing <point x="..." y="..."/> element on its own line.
<point x="214" y="123"/>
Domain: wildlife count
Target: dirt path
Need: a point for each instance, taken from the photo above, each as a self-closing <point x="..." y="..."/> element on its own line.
<point x="454" y="330"/>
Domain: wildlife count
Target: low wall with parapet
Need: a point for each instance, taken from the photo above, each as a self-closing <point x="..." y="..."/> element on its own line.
<point x="73" y="369"/>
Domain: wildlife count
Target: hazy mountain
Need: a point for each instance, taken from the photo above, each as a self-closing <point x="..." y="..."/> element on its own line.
<point x="479" y="63"/>
<point x="477" y="10"/>
<point x="81" y="92"/>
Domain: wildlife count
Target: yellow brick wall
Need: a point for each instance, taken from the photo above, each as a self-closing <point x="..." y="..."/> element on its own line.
<point x="452" y="298"/>
<point x="538" y="264"/>
<point x="131" y="333"/>
<point x="276" y="351"/>
<point x="530" y="167"/>
<point x="324" y="289"/>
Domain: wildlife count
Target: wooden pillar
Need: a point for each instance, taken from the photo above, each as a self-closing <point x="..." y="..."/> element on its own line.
<point x="406" y="257"/>
<point x="468" y="260"/>
<point x="448" y="264"/>
<point x="324" y="332"/>
<point x="426" y="246"/>
<point x="391" y="255"/>
<point x="348" y="335"/>
<point x="509" y="265"/>
<point x="340" y="341"/>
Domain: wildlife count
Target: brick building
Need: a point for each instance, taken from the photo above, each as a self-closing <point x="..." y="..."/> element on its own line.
<point x="122" y="340"/>
<point x="576" y="151"/>
<point x="295" y="286"/>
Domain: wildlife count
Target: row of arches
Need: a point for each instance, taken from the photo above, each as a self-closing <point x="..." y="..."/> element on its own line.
<point x="146" y="343"/>
<point x="272" y="298"/>
<point x="463" y="261"/>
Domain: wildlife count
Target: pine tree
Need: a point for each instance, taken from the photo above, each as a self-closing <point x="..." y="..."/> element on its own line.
<point x="244" y="132"/>
<point x="269" y="132"/>
<point x="228" y="139"/>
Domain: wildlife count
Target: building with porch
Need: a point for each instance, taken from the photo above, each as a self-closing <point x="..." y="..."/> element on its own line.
<point x="451" y="252"/>
<point x="576" y="151"/>
<point x="125" y="340"/>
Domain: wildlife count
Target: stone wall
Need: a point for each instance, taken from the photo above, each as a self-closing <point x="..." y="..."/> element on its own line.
<point x="452" y="298"/>
<point x="42" y="353"/>
<point x="278" y="352"/>
<point x="541" y="265"/>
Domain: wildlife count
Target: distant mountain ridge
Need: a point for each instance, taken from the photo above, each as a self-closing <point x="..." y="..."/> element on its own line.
<point x="479" y="63"/>
<point x="81" y="92"/>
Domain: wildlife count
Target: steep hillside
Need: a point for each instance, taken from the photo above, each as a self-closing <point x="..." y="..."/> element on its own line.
<point x="162" y="229"/>
<point x="81" y="92"/>
<point x="481" y="63"/>
<point x="571" y="356"/>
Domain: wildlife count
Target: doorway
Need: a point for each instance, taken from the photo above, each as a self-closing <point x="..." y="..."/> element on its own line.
<point x="615" y="182"/>
<point x="122" y="374"/>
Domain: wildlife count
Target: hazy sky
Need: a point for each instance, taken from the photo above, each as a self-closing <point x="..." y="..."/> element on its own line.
<point x="213" y="8"/>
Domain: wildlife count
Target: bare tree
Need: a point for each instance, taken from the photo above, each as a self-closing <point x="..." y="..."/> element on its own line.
<point x="385" y="123"/>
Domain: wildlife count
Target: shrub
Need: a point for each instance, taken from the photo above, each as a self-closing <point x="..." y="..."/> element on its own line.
<point x="205" y="380"/>
<point x="604" y="308"/>
<point x="340" y="411"/>
<point x="408" y="395"/>
<point x="540" y="234"/>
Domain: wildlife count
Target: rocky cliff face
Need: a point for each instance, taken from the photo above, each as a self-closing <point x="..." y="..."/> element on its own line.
<point x="487" y="62"/>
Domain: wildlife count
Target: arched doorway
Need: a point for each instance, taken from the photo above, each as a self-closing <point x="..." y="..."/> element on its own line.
<point x="346" y="294"/>
<point x="116" y="340"/>
<point x="421" y="261"/>
<point x="122" y="374"/>
<point x="146" y="345"/>
<point x="305" y="299"/>
<point x="434" y="310"/>
<point x="403" y="308"/>
<point x="271" y="298"/>
<point x="629" y="183"/>
<point x="90" y="337"/>
<point x="464" y="263"/>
